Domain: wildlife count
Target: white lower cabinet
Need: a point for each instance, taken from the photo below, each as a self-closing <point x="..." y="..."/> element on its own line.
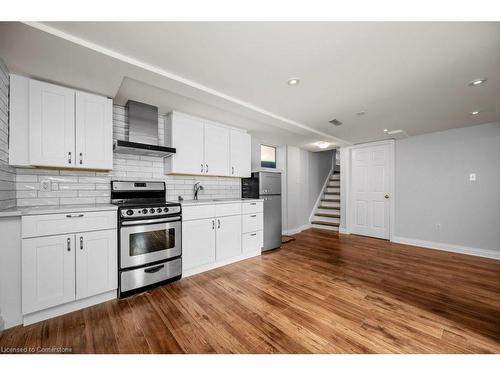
<point x="62" y="268"/>
<point x="96" y="263"/>
<point x="214" y="235"/>
<point x="48" y="272"/>
<point x="228" y="237"/>
<point x="198" y="243"/>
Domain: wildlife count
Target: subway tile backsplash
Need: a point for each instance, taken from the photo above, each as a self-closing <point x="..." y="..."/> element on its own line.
<point x="87" y="187"/>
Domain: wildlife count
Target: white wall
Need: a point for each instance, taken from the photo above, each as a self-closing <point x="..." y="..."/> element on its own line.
<point x="433" y="187"/>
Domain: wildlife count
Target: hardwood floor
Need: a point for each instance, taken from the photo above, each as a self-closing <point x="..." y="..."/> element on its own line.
<point x="322" y="293"/>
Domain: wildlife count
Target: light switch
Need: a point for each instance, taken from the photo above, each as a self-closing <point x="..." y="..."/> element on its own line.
<point x="472" y="177"/>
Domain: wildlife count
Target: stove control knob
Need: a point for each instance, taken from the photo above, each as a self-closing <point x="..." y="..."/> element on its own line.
<point x="130" y="212"/>
<point x="152" y="210"/>
<point x="144" y="210"/>
<point x="165" y="209"/>
<point x="158" y="210"/>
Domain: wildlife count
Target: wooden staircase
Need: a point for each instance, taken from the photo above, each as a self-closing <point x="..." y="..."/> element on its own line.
<point x="327" y="213"/>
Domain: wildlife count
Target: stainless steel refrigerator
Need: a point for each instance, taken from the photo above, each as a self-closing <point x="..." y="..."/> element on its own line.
<point x="267" y="186"/>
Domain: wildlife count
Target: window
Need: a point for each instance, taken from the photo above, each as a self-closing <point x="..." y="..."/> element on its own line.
<point x="267" y="156"/>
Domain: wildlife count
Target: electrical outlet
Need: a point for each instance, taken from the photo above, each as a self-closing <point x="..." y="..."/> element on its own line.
<point x="45" y="185"/>
<point x="437" y="227"/>
<point x="472" y="177"/>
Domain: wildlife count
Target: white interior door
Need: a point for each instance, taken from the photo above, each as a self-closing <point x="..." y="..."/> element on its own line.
<point x="371" y="190"/>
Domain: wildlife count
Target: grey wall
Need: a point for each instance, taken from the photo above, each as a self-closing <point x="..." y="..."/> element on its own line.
<point x="433" y="187"/>
<point x="305" y="175"/>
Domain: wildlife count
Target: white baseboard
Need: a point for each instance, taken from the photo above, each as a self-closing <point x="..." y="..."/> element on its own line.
<point x="225" y="262"/>
<point x="492" y="254"/>
<point x="68" y="307"/>
<point x="290" y="232"/>
<point x="344" y="230"/>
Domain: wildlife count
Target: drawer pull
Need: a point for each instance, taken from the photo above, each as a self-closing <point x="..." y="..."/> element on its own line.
<point x="253" y="215"/>
<point x="73" y="216"/>
<point x="154" y="269"/>
<point x="253" y="234"/>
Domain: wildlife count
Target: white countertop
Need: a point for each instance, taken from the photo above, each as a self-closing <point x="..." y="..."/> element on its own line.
<point x="39" y="210"/>
<point x="192" y="202"/>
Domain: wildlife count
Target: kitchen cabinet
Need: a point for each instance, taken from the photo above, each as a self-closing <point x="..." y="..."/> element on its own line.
<point x="48" y="272"/>
<point x="198" y="242"/>
<point x="240" y="154"/>
<point x="228" y="237"/>
<point x="58" y="127"/>
<point x="51" y="125"/>
<point x="216" y="150"/>
<point x="186" y="134"/>
<point x="94" y="135"/>
<point x="219" y="233"/>
<point x="206" y="148"/>
<point x="96" y="262"/>
<point x="68" y="266"/>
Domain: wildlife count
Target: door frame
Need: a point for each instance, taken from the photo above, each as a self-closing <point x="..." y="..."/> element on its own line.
<point x="346" y="184"/>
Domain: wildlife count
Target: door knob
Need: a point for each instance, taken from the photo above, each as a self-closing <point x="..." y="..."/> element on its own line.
<point x="386" y="196"/>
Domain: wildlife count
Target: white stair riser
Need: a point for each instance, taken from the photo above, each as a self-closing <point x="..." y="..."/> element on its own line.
<point x="327" y="219"/>
<point x="328" y="211"/>
<point x="331" y="204"/>
<point x="326" y="227"/>
<point x="332" y="190"/>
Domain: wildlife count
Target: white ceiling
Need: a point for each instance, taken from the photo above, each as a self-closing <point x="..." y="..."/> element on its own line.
<point x="410" y="76"/>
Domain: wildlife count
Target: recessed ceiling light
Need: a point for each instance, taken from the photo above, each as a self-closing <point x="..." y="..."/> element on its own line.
<point x="475" y="113"/>
<point x="361" y="113"/>
<point x="322" y="144"/>
<point x="478" y="81"/>
<point x="385" y="130"/>
<point x="293" y="81"/>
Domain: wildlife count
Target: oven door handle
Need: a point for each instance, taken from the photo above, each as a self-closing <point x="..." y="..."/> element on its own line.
<point x="151" y="221"/>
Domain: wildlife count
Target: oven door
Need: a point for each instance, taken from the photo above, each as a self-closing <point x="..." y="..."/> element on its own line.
<point x="147" y="241"/>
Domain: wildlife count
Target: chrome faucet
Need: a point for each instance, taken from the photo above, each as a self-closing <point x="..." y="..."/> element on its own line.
<point x="197" y="187"/>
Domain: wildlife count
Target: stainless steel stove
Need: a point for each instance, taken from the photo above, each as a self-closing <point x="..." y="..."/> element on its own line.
<point x="149" y="236"/>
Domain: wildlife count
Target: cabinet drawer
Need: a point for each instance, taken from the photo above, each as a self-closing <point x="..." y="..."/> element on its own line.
<point x="252" y="222"/>
<point x="198" y="212"/>
<point x="252" y="207"/>
<point x="228" y="209"/>
<point x="252" y="241"/>
<point x="69" y="222"/>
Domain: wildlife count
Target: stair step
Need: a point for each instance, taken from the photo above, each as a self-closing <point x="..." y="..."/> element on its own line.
<point x="332" y="193"/>
<point x="326" y="223"/>
<point x="323" y="207"/>
<point x="330" y="200"/>
<point x="328" y="211"/>
<point x="327" y="215"/>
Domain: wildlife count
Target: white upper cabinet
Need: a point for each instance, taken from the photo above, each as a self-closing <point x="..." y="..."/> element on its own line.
<point x="51" y="125"/>
<point x="204" y="147"/>
<point x="241" y="159"/>
<point x="216" y="150"/>
<point x="185" y="133"/>
<point x="94" y="136"/>
<point x="58" y="127"/>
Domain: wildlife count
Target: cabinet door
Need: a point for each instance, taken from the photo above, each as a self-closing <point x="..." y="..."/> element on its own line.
<point x="96" y="263"/>
<point x="187" y="139"/>
<point x="216" y="150"/>
<point x="48" y="272"/>
<point x="94" y="131"/>
<point x="198" y="243"/>
<point x="228" y="237"/>
<point x="51" y="125"/>
<point x="240" y="154"/>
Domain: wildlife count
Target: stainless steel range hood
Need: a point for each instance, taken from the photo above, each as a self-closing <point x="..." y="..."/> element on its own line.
<point x="143" y="132"/>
